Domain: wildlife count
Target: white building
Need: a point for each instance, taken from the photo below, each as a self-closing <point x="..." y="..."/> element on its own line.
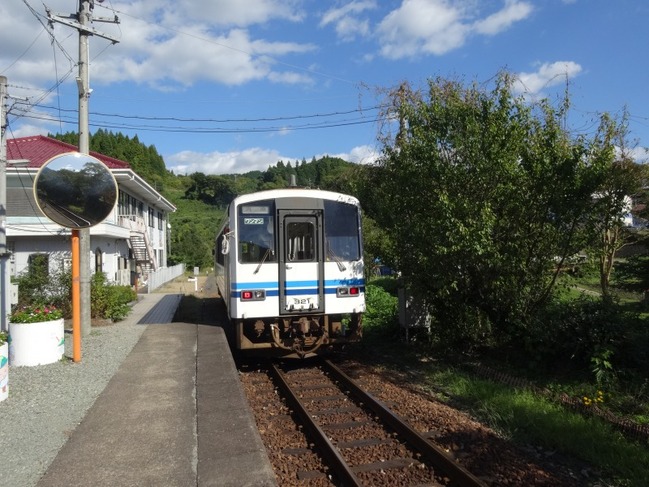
<point x="130" y="243"/>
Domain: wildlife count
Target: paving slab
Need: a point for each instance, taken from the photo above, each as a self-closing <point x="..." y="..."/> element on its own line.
<point x="174" y="414"/>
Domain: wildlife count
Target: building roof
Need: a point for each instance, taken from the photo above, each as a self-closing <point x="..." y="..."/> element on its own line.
<point x="39" y="149"/>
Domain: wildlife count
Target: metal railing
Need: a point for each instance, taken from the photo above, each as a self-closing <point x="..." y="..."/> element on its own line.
<point x="159" y="277"/>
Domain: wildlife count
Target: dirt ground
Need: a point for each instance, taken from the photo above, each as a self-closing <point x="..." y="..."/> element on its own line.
<point x="201" y="286"/>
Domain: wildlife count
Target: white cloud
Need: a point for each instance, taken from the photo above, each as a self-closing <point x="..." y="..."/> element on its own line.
<point x="440" y="26"/>
<point x="231" y="59"/>
<point x="166" y="44"/>
<point x="348" y="24"/>
<point x="28" y="130"/>
<point x="429" y="26"/>
<point x="546" y="76"/>
<point x="241" y="13"/>
<point x="639" y="154"/>
<point x="514" y="11"/>
<point x="235" y="162"/>
<point x="362" y="154"/>
<point x="252" y="159"/>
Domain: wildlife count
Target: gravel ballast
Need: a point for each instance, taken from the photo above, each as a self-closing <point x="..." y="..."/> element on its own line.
<point x="47" y="402"/>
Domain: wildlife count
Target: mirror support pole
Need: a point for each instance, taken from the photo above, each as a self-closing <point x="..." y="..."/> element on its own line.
<point x="76" y="300"/>
<point x="84" y="281"/>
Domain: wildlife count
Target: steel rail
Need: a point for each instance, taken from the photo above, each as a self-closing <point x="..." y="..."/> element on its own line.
<point x="435" y="455"/>
<point x="328" y="450"/>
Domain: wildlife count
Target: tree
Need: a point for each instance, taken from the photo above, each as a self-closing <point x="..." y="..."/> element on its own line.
<point x="622" y="179"/>
<point x="485" y="195"/>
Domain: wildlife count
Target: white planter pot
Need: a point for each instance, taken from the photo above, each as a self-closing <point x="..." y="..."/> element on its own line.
<point x="36" y="343"/>
<point x="4" y="371"/>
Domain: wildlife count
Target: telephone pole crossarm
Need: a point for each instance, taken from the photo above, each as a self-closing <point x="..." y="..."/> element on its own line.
<point x="73" y="21"/>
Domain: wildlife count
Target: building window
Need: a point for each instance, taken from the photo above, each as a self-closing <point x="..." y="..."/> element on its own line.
<point x="123" y="203"/>
<point x="132" y="207"/>
<point x="99" y="261"/>
<point x="160" y="220"/>
<point x="151" y="218"/>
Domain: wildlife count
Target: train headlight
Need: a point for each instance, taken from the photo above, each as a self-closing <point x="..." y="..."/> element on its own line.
<point x="348" y="292"/>
<point x="253" y="295"/>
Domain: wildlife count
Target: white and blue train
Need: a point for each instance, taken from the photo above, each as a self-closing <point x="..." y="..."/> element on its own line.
<point x="289" y="266"/>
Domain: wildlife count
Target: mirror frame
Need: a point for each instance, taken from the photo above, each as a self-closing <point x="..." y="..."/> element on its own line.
<point x="75" y="190"/>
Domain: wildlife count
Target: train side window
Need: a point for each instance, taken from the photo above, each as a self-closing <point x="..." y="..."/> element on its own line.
<point x="300" y="241"/>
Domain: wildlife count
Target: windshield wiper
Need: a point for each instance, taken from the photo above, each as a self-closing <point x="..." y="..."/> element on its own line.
<point x="263" y="259"/>
<point x="336" y="259"/>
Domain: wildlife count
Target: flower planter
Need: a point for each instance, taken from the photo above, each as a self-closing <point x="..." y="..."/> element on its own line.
<point x="4" y="371"/>
<point x="36" y="343"/>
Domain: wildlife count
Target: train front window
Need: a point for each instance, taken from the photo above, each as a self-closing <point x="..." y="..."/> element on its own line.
<point x="342" y="231"/>
<point x="256" y="234"/>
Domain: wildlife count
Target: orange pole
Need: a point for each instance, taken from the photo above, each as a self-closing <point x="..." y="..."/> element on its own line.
<point x="76" y="299"/>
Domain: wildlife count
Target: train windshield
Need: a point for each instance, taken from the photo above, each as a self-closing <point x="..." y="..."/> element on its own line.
<point x="256" y="233"/>
<point x="342" y="231"/>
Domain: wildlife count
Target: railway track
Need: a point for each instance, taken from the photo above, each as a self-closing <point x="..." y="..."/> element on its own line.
<point x="359" y="439"/>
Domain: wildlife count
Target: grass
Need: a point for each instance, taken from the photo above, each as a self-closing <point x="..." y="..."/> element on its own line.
<point x="527" y="417"/>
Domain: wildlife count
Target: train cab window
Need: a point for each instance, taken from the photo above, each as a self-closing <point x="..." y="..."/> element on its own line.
<point x="256" y="238"/>
<point x="300" y="241"/>
<point x="342" y="231"/>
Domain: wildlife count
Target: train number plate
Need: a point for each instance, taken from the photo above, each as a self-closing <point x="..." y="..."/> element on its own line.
<point x="253" y="221"/>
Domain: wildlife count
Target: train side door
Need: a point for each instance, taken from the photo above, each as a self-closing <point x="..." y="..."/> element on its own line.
<point x="301" y="269"/>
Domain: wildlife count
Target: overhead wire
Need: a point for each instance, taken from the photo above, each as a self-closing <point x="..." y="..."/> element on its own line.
<point x="221" y="120"/>
<point x="214" y="130"/>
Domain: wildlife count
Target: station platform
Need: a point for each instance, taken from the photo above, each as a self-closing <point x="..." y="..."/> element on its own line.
<point x="174" y="414"/>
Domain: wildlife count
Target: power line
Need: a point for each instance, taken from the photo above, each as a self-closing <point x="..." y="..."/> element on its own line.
<point x="213" y="130"/>
<point x="216" y="120"/>
<point x="326" y="120"/>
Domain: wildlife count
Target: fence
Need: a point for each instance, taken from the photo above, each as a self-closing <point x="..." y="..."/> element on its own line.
<point x="161" y="276"/>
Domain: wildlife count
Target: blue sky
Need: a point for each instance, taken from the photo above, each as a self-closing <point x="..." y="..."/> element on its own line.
<point x="229" y="86"/>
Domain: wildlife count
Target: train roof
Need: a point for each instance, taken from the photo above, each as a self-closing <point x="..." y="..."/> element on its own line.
<point x="295" y="193"/>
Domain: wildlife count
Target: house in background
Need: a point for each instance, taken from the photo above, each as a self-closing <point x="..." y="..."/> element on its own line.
<point x="132" y="241"/>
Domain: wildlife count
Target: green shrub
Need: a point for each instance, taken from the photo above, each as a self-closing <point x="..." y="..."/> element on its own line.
<point x="110" y="301"/>
<point x="381" y="311"/>
<point x="39" y="286"/>
<point x="589" y="333"/>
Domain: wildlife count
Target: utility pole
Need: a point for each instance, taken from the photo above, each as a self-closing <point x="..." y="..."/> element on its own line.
<point x="82" y="21"/>
<point x="4" y="255"/>
<point x="5" y="277"/>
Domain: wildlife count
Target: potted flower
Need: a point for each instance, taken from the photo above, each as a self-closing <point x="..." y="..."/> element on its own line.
<point x="4" y="366"/>
<point x="36" y="335"/>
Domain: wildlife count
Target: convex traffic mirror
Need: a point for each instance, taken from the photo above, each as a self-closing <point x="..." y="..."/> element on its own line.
<point x="75" y="190"/>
